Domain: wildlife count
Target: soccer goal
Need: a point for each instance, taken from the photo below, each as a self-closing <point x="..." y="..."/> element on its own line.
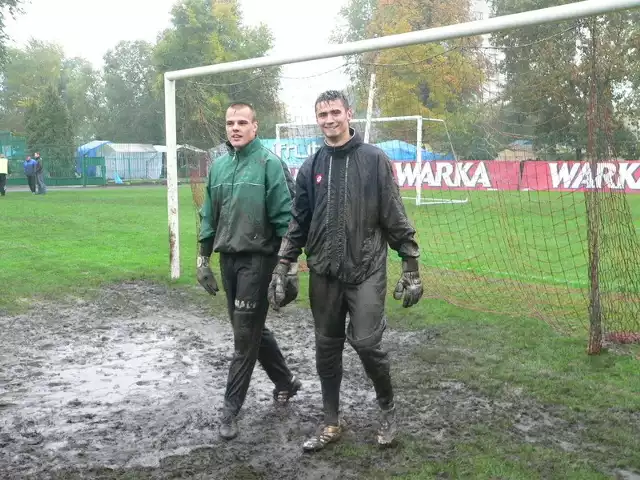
<point x="408" y="157"/>
<point x="502" y="125"/>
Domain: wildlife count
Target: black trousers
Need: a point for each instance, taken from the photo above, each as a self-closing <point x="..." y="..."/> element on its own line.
<point x="331" y="300"/>
<point x="245" y="279"/>
<point x="31" y="181"/>
<point x="3" y="183"/>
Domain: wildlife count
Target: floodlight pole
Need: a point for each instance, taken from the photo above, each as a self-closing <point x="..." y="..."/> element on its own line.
<point x="541" y="16"/>
<point x="172" y="176"/>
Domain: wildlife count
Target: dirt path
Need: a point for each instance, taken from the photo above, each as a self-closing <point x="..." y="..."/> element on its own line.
<point x="131" y="384"/>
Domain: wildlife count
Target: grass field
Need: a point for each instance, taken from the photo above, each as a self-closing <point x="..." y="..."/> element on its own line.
<point x="518" y="247"/>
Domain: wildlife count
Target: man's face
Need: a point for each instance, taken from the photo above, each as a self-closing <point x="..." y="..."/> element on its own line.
<point x="333" y="118"/>
<point x="241" y="126"/>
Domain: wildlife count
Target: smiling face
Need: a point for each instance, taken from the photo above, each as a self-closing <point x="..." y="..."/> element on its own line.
<point x="242" y="125"/>
<point x="333" y="117"/>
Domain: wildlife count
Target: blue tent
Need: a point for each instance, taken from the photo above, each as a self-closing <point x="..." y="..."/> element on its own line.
<point x="400" y="151"/>
<point x="92" y="149"/>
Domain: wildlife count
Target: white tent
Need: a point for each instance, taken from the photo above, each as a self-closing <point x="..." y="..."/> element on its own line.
<point x="132" y="161"/>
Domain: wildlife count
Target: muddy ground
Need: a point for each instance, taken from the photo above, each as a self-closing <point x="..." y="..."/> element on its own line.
<point x="128" y="386"/>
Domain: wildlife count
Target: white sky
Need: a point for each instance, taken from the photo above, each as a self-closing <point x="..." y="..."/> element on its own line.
<point x="88" y="28"/>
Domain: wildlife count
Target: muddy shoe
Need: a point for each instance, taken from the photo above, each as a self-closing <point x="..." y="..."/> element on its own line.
<point x="228" y="427"/>
<point x="329" y="434"/>
<point x="283" y="396"/>
<point x="388" y="428"/>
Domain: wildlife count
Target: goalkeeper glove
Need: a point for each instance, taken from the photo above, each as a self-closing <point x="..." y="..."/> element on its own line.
<point x="205" y="275"/>
<point x="409" y="287"/>
<point x="283" y="288"/>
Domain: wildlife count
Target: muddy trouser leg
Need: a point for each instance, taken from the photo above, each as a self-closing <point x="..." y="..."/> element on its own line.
<point x="245" y="279"/>
<point x="367" y="323"/>
<point x="273" y="362"/>
<point x="269" y="355"/>
<point x="329" y="311"/>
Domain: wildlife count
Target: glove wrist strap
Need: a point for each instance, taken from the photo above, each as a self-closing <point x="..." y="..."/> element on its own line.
<point x="409" y="264"/>
<point x="202" y="261"/>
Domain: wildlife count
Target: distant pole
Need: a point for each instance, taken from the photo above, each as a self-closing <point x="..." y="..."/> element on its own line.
<point x="172" y="176"/>
<point x="593" y="199"/>
<point x="372" y="89"/>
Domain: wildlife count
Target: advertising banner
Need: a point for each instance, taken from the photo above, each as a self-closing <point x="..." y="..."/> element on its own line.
<point x="620" y="176"/>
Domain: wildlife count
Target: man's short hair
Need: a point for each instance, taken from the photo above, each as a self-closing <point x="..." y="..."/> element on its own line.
<point x="244" y="104"/>
<point x="331" y="95"/>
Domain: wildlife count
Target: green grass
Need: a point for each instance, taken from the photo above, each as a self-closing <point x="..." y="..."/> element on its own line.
<point x="69" y="242"/>
<point x="537" y="237"/>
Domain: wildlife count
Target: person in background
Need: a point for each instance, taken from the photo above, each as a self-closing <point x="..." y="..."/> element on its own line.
<point x="30" y="172"/>
<point x="4" y="171"/>
<point x="245" y="213"/>
<point x="42" y="187"/>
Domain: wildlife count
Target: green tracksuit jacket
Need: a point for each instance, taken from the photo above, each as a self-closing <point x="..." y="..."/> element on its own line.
<point x="247" y="202"/>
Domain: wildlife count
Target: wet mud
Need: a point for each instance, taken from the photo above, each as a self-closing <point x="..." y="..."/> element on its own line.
<point x="129" y="385"/>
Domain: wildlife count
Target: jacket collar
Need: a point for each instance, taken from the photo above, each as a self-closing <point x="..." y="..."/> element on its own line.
<point x="249" y="149"/>
<point x="354" y="141"/>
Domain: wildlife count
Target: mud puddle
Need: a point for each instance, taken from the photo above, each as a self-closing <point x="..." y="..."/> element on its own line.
<point x="131" y="384"/>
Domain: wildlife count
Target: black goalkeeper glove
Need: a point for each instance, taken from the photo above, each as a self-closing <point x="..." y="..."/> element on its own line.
<point x="283" y="288"/>
<point x="409" y="287"/>
<point x="205" y="275"/>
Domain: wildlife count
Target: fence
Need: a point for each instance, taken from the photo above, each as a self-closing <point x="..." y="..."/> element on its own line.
<point x="91" y="171"/>
<point x="95" y="163"/>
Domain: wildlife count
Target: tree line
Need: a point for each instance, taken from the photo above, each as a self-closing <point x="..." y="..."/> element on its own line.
<point x="540" y="84"/>
<point x="55" y="100"/>
<point x="550" y="77"/>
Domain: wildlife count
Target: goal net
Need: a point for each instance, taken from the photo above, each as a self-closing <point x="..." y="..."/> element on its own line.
<point x="517" y="152"/>
<point x="409" y="153"/>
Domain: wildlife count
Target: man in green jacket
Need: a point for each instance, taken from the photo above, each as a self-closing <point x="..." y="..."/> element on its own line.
<point x="245" y="214"/>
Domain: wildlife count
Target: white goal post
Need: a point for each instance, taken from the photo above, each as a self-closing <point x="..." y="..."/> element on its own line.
<point x="419" y="122"/>
<point x="555" y="14"/>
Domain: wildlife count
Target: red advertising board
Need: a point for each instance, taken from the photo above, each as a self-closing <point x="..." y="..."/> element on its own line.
<point x="620" y="176"/>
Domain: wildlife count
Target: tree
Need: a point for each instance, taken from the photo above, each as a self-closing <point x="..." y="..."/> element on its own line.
<point x="132" y="111"/>
<point x="11" y="8"/>
<point x="28" y="73"/>
<point x="549" y="75"/>
<point x="82" y="92"/>
<point x="437" y="80"/>
<point x="49" y="131"/>
<point x="203" y="33"/>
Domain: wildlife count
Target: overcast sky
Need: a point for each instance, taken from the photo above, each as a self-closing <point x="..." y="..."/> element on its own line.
<point x="88" y="28"/>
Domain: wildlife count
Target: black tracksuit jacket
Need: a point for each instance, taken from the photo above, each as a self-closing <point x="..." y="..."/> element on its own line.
<point x="346" y="210"/>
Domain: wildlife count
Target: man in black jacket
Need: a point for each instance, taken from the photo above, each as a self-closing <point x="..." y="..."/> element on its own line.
<point x="346" y="210"/>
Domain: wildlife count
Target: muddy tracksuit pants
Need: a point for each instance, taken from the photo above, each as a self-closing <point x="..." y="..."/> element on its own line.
<point x="331" y="300"/>
<point x="245" y="279"/>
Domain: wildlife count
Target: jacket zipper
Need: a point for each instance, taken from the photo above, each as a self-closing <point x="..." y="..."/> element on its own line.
<point x="329" y="240"/>
<point x="342" y="226"/>
<point x="233" y="184"/>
